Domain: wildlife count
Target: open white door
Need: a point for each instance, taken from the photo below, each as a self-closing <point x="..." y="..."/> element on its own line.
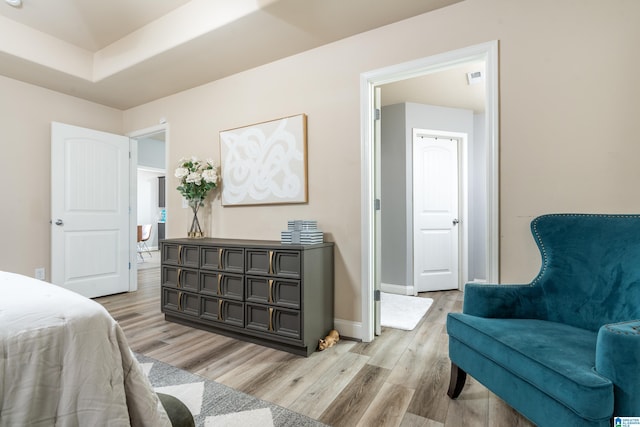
<point x="90" y="244"/>
<point x="435" y="212"/>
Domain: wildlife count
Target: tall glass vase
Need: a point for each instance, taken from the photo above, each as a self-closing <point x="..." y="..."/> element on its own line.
<point x="195" y="230"/>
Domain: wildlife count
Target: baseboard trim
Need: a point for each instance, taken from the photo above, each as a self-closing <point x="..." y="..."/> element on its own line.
<point x="348" y="329"/>
<point x="397" y="289"/>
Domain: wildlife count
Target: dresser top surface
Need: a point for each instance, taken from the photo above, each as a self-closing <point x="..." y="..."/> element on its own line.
<point x="208" y="241"/>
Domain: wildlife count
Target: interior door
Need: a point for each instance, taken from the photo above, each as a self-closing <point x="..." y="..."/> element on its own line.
<point x="90" y="243"/>
<point x="435" y="216"/>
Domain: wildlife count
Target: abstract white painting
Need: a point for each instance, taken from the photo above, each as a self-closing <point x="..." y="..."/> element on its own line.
<point x="265" y="163"/>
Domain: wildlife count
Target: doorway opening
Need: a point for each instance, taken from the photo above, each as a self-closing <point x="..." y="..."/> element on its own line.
<point x="149" y="155"/>
<point x="371" y="191"/>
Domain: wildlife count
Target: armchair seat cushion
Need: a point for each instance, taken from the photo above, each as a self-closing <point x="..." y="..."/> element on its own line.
<point x="555" y="358"/>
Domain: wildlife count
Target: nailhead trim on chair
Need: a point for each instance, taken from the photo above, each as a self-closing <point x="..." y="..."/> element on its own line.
<point x="611" y="328"/>
<point x="534" y="228"/>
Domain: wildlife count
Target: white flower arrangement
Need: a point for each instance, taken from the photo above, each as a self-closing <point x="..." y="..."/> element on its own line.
<point x="197" y="178"/>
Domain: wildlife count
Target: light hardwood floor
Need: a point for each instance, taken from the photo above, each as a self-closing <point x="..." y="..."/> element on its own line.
<point x="399" y="379"/>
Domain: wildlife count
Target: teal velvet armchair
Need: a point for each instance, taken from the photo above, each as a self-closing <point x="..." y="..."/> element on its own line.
<point x="563" y="350"/>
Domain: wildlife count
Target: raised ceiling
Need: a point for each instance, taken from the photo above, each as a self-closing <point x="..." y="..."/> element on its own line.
<point x="124" y="53"/>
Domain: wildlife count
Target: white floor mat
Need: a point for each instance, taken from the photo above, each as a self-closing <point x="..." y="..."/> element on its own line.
<point x="402" y="311"/>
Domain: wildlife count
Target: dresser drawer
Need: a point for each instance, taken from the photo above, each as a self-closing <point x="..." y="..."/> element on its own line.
<point x="222" y="310"/>
<point x="180" y="302"/>
<point x="274" y="262"/>
<point x="222" y="284"/>
<point x="221" y="258"/>
<point x="183" y="255"/>
<point x="278" y="321"/>
<point x="280" y="292"/>
<point x="181" y="278"/>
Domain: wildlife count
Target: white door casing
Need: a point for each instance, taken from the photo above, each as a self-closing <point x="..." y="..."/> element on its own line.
<point x="90" y="230"/>
<point x="435" y="211"/>
<point x="368" y="82"/>
<point x="378" y="208"/>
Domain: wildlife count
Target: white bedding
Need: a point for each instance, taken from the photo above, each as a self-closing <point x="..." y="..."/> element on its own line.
<point x="64" y="361"/>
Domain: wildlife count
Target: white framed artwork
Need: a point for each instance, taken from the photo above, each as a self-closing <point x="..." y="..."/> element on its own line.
<point x="265" y="163"/>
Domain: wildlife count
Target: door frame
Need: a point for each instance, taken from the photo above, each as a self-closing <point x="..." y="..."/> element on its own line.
<point x="368" y="82"/>
<point x="461" y="170"/>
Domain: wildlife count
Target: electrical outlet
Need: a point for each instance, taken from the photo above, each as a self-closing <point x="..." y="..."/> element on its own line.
<point x="40" y="273"/>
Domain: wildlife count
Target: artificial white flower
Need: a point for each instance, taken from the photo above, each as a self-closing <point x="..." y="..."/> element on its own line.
<point x="210" y="175"/>
<point x="181" y="172"/>
<point x="194" y="177"/>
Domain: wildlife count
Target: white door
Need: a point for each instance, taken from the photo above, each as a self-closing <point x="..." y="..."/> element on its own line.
<point x="90" y="245"/>
<point x="435" y="212"/>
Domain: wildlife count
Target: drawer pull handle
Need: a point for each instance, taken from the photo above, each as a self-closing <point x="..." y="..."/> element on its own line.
<point x="179" y="301"/>
<point x="220" y="310"/>
<point x="270" y="319"/>
<point x="270" y="262"/>
<point x="271" y="290"/>
<point x="219" y="279"/>
<point x="178" y="280"/>
<point x="179" y="254"/>
<point x="220" y="266"/>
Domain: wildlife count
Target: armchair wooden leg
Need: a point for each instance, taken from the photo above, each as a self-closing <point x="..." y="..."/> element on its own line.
<point x="456" y="383"/>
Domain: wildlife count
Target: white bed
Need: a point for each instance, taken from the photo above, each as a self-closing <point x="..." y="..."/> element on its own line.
<point x="64" y="361"/>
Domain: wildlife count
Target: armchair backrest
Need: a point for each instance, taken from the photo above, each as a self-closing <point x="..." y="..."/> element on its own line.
<point x="590" y="270"/>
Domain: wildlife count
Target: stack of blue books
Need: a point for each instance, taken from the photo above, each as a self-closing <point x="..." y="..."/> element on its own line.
<point x="302" y="232"/>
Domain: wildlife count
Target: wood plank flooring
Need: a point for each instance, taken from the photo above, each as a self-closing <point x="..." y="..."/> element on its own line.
<point x="399" y="379"/>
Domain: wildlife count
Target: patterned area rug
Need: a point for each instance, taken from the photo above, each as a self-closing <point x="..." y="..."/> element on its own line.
<point x="214" y="404"/>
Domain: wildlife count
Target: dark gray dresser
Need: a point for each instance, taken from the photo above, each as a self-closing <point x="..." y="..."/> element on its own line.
<point x="260" y="291"/>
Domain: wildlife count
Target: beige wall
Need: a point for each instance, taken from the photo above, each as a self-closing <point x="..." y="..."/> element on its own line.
<point x="568" y="134"/>
<point x="26" y="113"/>
<point x="568" y="127"/>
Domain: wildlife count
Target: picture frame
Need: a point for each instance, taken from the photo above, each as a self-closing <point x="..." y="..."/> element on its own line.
<point x="265" y="163"/>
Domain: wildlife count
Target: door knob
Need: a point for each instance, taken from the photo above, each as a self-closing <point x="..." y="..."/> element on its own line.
<point x="455" y="221"/>
<point x="59" y="222"/>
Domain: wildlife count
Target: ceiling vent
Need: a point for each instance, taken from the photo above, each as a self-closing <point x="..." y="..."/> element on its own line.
<point x="475" y="77"/>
